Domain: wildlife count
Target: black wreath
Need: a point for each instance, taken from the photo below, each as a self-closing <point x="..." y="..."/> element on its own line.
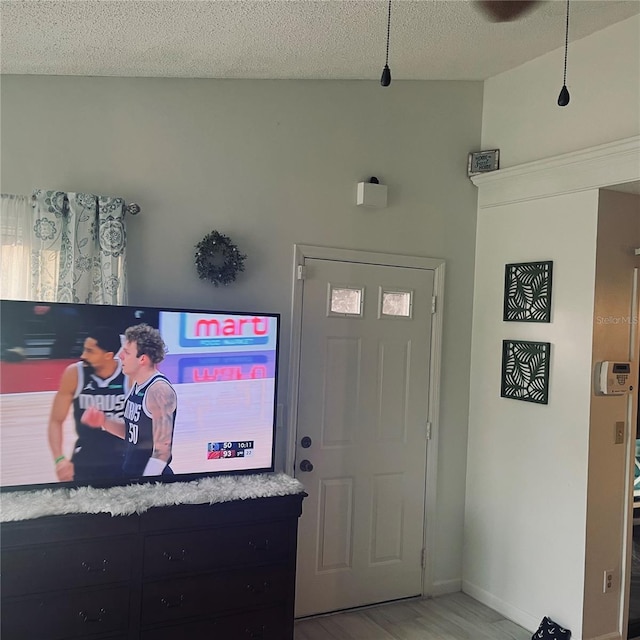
<point x="218" y="259"/>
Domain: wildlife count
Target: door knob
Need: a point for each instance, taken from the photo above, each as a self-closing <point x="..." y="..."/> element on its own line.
<point x="305" y="465"/>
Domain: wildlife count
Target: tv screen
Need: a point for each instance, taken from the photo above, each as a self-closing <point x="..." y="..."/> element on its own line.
<point x="104" y="395"/>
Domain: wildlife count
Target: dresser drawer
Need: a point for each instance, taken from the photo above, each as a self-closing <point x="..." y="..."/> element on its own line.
<point x="73" y="614"/>
<point x="67" y="528"/>
<point x="208" y="549"/>
<point x="266" y="624"/>
<point x="87" y="563"/>
<point x="207" y="595"/>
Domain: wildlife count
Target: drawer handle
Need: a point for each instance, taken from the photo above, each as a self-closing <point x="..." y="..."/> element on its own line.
<point x="261" y="588"/>
<point x="96" y="568"/>
<point x="259" y="546"/>
<point x="172" y="604"/>
<point x="87" y="617"/>
<point x="181" y="556"/>
<point x="255" y="634"/>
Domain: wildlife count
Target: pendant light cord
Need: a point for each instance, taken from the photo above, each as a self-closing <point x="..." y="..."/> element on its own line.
<point x="388" y="33"/>
<point x="566" y="46"/>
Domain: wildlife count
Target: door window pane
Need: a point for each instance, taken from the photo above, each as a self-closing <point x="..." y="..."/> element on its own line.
<point x="345" y="300"/>
<point x="396" y="303"/>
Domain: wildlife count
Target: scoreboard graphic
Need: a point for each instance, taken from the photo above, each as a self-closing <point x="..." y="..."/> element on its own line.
<point x="228" y="450"/>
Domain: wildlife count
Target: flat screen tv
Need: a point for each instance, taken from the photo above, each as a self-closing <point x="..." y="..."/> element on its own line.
<point x="59" y="359"/>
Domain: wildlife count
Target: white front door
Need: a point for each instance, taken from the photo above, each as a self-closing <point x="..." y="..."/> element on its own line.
<point x="361" y="433"/>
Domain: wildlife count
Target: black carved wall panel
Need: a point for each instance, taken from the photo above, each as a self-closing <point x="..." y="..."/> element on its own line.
<point x="525" y="370"/>
<point x="527" y="292"/>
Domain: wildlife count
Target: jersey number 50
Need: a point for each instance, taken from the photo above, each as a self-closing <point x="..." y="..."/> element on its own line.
<point x="133" y="433"/>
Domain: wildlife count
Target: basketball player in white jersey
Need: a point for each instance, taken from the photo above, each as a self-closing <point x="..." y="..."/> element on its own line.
<point x="96" y="381"/>
<point x="150" y="408"/>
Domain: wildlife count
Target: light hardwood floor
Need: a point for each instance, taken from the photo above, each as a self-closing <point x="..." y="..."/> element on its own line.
<point x="455" y="616"/>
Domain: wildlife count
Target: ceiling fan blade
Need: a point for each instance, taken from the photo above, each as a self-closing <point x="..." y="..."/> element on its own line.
<point x="506" y="10"/>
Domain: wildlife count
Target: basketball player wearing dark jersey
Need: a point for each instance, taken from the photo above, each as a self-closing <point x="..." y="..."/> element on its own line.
<point x="96" y="381"/>
<point x="150" y="408"/>
<point x="139" y="428"/>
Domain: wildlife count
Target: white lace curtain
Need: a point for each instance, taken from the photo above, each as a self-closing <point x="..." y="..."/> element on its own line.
<point x="15" y="247"/>
<point x="64" y="247"/>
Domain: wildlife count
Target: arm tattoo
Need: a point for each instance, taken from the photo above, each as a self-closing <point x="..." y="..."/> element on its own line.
<point x="162" y="403"/>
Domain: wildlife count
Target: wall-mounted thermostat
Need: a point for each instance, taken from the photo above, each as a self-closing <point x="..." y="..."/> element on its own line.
<point x="613" y="378"/>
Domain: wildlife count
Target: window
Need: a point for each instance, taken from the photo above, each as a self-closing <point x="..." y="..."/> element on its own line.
<point x="15" y="247"/>
<point x="398" y="304"/>
<point x="345" y="301"/>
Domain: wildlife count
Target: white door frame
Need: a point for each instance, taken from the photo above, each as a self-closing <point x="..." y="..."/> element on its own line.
<point x="301" y="253"/>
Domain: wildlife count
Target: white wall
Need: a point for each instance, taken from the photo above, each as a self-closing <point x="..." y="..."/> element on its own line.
<point x="270" y="163"/>
<point x="527" y="497"/>
<point x="527" y="466"/>
<point x="521" y="116"/>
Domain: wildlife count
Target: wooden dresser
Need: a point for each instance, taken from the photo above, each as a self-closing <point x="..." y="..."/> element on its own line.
<point x="187" y="572"/>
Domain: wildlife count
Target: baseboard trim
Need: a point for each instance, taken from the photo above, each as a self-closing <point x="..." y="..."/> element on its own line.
<point x="517" y="615"/>
<point x="507" y="610"/>
<point x="444" y="587"/>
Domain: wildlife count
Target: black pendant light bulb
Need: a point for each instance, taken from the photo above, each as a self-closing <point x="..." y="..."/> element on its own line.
<point x="563" y="98"/>
<point x="385" y="79"/>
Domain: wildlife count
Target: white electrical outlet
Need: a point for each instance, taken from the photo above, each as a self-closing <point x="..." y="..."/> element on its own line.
<point x="607" y="581"/>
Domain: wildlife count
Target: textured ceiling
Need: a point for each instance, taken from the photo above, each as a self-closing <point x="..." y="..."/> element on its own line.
<point x="337" y="39"/>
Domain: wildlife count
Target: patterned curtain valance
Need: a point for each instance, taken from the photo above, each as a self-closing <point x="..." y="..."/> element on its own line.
<point x="78" y="248"/>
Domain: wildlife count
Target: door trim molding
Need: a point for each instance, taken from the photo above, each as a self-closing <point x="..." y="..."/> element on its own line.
<point x="302" y="252"/>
